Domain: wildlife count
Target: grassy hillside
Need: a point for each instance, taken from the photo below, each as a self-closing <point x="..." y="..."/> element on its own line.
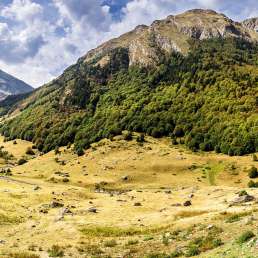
<point x="138" y="191"/>
<point x="207" y="99"/>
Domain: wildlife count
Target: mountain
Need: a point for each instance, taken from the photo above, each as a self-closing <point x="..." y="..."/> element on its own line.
<point x="10" y="85"/>
<point x="193" y="76"/>
<point x="251" y="24"/>
<point x="145" y="44"/>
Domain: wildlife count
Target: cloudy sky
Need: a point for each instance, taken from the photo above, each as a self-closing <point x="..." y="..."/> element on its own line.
<point x="40" y="38"/>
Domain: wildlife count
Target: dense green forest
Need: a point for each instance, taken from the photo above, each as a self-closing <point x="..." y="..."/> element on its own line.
<point x="207" y="100"/>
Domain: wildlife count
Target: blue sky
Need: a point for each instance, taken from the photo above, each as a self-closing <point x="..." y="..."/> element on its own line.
<point x="40" y="38"/>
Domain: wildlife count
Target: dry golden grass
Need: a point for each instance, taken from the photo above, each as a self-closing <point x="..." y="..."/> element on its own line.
<point x="161" y="178"/>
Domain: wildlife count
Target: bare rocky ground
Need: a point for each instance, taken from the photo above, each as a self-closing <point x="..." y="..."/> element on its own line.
<point x="125" y="199"/>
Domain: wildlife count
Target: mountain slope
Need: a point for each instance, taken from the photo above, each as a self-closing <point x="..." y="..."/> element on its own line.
<point x="10" y="85"/>
<point x="192" y="76"/>
<point x="251" y="24"/>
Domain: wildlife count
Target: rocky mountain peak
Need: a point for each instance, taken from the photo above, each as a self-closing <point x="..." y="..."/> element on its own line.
<point x="146" y="44"/>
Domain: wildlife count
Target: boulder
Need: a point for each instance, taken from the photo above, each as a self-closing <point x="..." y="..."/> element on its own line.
<point x="187" y="203"/>
<point x="92" y="210"/>
<point x="243" y="199"/>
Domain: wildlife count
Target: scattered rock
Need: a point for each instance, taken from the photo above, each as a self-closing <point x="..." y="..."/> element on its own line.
<point x="36" y="188"/>
<point x="242" y="199"/>
<point x="64" y="211"/>
<point x="2" y="242"/>
<point x="55" y="204"/>
<point x="187" y="203"/>
<point x="210" y="227"/>
<point x="191" y="196"/>
<point x="125" y="178"/>
<point x="137" y="204"/>
<point x="176" y="205"/>
<point x="168" y="192"/>
<point x="92" y="210"/>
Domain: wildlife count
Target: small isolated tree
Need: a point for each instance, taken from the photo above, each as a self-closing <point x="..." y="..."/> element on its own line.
<point x="22" y="161"/>
<point x="80" y="151"/>
<point x="253" y="172"/>
<point x="141" y="138"/>
<point x="29" y="151"/>
<point x="128" y="136"/>
<point x="252" y="184"/>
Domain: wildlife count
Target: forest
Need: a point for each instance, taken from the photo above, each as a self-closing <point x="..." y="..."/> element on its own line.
<point x="207" y="100"/>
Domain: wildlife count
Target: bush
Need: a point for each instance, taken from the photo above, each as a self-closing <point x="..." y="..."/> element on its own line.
<point x="247" y="235"/>
<point x="110" y="243"/>
<point x="255" y="158"/>
<point x="128" y="136"/>
<point x="253" y="172"/>
<point x="140" y="138"/>
<point x="80" y="151"/>
<point x="55" y="251"/>
<point x="252" y="184"/>
<point x="24" y="255"/>
<point x="22" y="161"/>
<point x="29" y="151"/>
<point x="192" y="250"/>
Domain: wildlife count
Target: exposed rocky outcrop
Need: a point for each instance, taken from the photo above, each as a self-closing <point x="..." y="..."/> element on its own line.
<point x="251" y="24"/>
<point x="146" y="44"/>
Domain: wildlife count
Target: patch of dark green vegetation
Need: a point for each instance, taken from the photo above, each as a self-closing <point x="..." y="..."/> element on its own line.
<point x="245" y="236"/>
<point x="207" y="100"/>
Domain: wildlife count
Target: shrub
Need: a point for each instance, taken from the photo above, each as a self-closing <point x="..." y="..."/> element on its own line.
<point x="252" y="184"/>
<point x="140" y="138"/>
<point x="128" y="136"/>
<point x="247" y="235"/>
<point x="80" y="151"/>
<point x="24" y="255"/>
<point x="55" y="251"/>
<point x="22" y="161"/>
<point x="132" y="242"/>
<point x="176" y="253"/>
<point x="255" y="158"/>
<point x="253" y="172"/>
<point x="29" y="151"/>
<point x="192" y="250"/>
<point x="110" y="243"/>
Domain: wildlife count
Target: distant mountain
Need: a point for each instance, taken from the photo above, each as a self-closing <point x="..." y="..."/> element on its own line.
<point x="10" y="85"/>
<point x="193" y="77"/>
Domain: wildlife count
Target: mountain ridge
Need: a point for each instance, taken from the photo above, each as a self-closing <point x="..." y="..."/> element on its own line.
<point x="205" y="96"/>
<point x="9" y="85"/>
<point x="172" y="34"/>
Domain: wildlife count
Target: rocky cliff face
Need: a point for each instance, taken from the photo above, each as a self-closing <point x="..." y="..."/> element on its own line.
<point x="145" y="44"/>
<point x="251" y="24"/>
<point x="10" y="85"/>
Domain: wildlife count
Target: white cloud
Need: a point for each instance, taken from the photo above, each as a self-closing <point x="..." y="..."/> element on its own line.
<point x="39" y="39"/>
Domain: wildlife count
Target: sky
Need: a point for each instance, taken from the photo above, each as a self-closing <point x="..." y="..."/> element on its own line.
<point x="40" y="38"/>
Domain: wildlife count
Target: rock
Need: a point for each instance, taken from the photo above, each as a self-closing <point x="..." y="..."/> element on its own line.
<point x="191" y="196"/>
<point x="176" y="205"/>
<point x="210" y="227"/>
<point x="55" y="204"/>
<point x="168" y="192"/>
<point x="137" y="204"/>
<point x="242" y="199"/>
<point x="125" y="178"/>
<point x="65" y="211"/>
<point x="2" y="242"/>
<point x="92" y="210"/>
<point x="36" y="188"/>
<point x="187" y="203"/>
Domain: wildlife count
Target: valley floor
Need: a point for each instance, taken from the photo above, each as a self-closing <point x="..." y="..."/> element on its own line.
<point x="125" y="199"/>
